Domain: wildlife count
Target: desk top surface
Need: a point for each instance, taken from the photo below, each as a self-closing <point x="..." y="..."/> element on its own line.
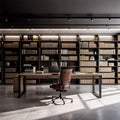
<point x="57" y="74"/>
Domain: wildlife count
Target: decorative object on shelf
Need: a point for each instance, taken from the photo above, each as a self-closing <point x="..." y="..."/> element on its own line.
<point x="34" y="69"/>
<point x="7" y="64"/>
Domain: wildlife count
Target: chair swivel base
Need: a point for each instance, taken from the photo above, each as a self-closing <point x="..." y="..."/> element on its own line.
<point x="54" y="98"/>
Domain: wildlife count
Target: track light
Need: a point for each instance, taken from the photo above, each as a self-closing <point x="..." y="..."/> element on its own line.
<point x="107" y="26"/>
<point x="69" y="20"/>
<point x="6" y="20"/>
<point x="12" y="26"/>
<point x="92" y="19"/>
<point x="110" y="19"/>
<point x="29" y="19"/>
<point x="87" y="27"/>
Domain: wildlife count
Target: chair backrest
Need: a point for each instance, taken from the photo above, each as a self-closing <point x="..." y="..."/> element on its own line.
<point x="65" y="77"/>
<point x="53" y="69"/>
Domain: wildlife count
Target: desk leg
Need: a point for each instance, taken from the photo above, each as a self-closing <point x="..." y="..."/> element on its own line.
<point x="100" y="83"/>
<point x="93" y="85"/>
<point x="93" y="90"/>
<point x="19" y="87"/>
<point x="24" y="85"/>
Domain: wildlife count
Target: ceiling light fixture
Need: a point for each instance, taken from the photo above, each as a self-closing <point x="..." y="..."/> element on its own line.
<point x="110" y="19"/>
<point x="12" y="26"/>
<point x="6" y="20"/>
<point x="92" y="19"/>
<point x="87" y="27"/>
<point x="69" y="20"/>
<point x="107" y="26"/>
<point x="29" y="19"/>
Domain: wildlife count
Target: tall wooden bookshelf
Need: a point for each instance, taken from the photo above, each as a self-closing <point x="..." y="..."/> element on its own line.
<point x="107" y="59"/>
<point x="10" y="58"/>
<point x="69" y="52"/>
<point x="118" y="59"/>
<point x="88" y="55"/>
<point x="49" y="51"/>
<point x="1" y="56"/>
<point x="29" y="54"/>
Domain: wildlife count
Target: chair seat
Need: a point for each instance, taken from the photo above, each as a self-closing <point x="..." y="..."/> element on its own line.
<point x="59" y="87"/>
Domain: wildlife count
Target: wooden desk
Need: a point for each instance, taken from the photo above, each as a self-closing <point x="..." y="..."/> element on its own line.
<point x="78" y="75"/>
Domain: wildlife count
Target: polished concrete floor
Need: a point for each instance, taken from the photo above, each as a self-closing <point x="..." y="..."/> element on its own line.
<point x="36" y="105"/>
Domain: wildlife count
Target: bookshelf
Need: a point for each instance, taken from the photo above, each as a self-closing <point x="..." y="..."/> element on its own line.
<point x="107" y="59"/>
<point x="1" y="56"/>
<point x="69" y="52"/>
<point x="29" y="54"/>
<point x="10" y="58"/>
<point x="118" y="59"/>
<point x="88" y="55"/>
<point x="49" y="51"/>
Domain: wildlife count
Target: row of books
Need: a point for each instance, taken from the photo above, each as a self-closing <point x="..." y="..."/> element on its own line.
<point x="87" y="63"/>
<point x="66" y="51"/>
<point x="86" y="51"/>
<point x="11" y="52"/>
<point x="11" y="58"/>
<point x="49" y="52"/>
<point x="74" y="58"/>
<point x="104" y="51"/>
<point x="10" y="69"/>
<point x="69" y="45"/>
<point x="88" y="58"/>
<point x="31" y="58"/>
<point x="49" y="45"/>
<point x="30" y="45"/>
<point x="10" y="75"/>
<point x="24" y="51"/>
<point x="11" y="45"/>
<point x="108" y="75"/>
<point x="106" y="45"/>
<point x="87" y="69"/>
<point x="105" y="69"/>
<point x="88" y="45"/>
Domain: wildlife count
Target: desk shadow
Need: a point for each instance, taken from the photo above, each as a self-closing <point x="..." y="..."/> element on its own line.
<point x="13" y="104"/>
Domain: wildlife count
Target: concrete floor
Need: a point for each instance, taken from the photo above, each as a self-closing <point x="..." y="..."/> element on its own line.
<point x="36" y="105"/>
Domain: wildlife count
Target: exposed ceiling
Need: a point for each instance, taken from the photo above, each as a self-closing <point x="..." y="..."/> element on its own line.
<point x="38" y="7"/>
<point x="59" y="13"/>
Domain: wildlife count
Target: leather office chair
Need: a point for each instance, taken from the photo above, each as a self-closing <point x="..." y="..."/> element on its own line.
<point x="63" y="85"/>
